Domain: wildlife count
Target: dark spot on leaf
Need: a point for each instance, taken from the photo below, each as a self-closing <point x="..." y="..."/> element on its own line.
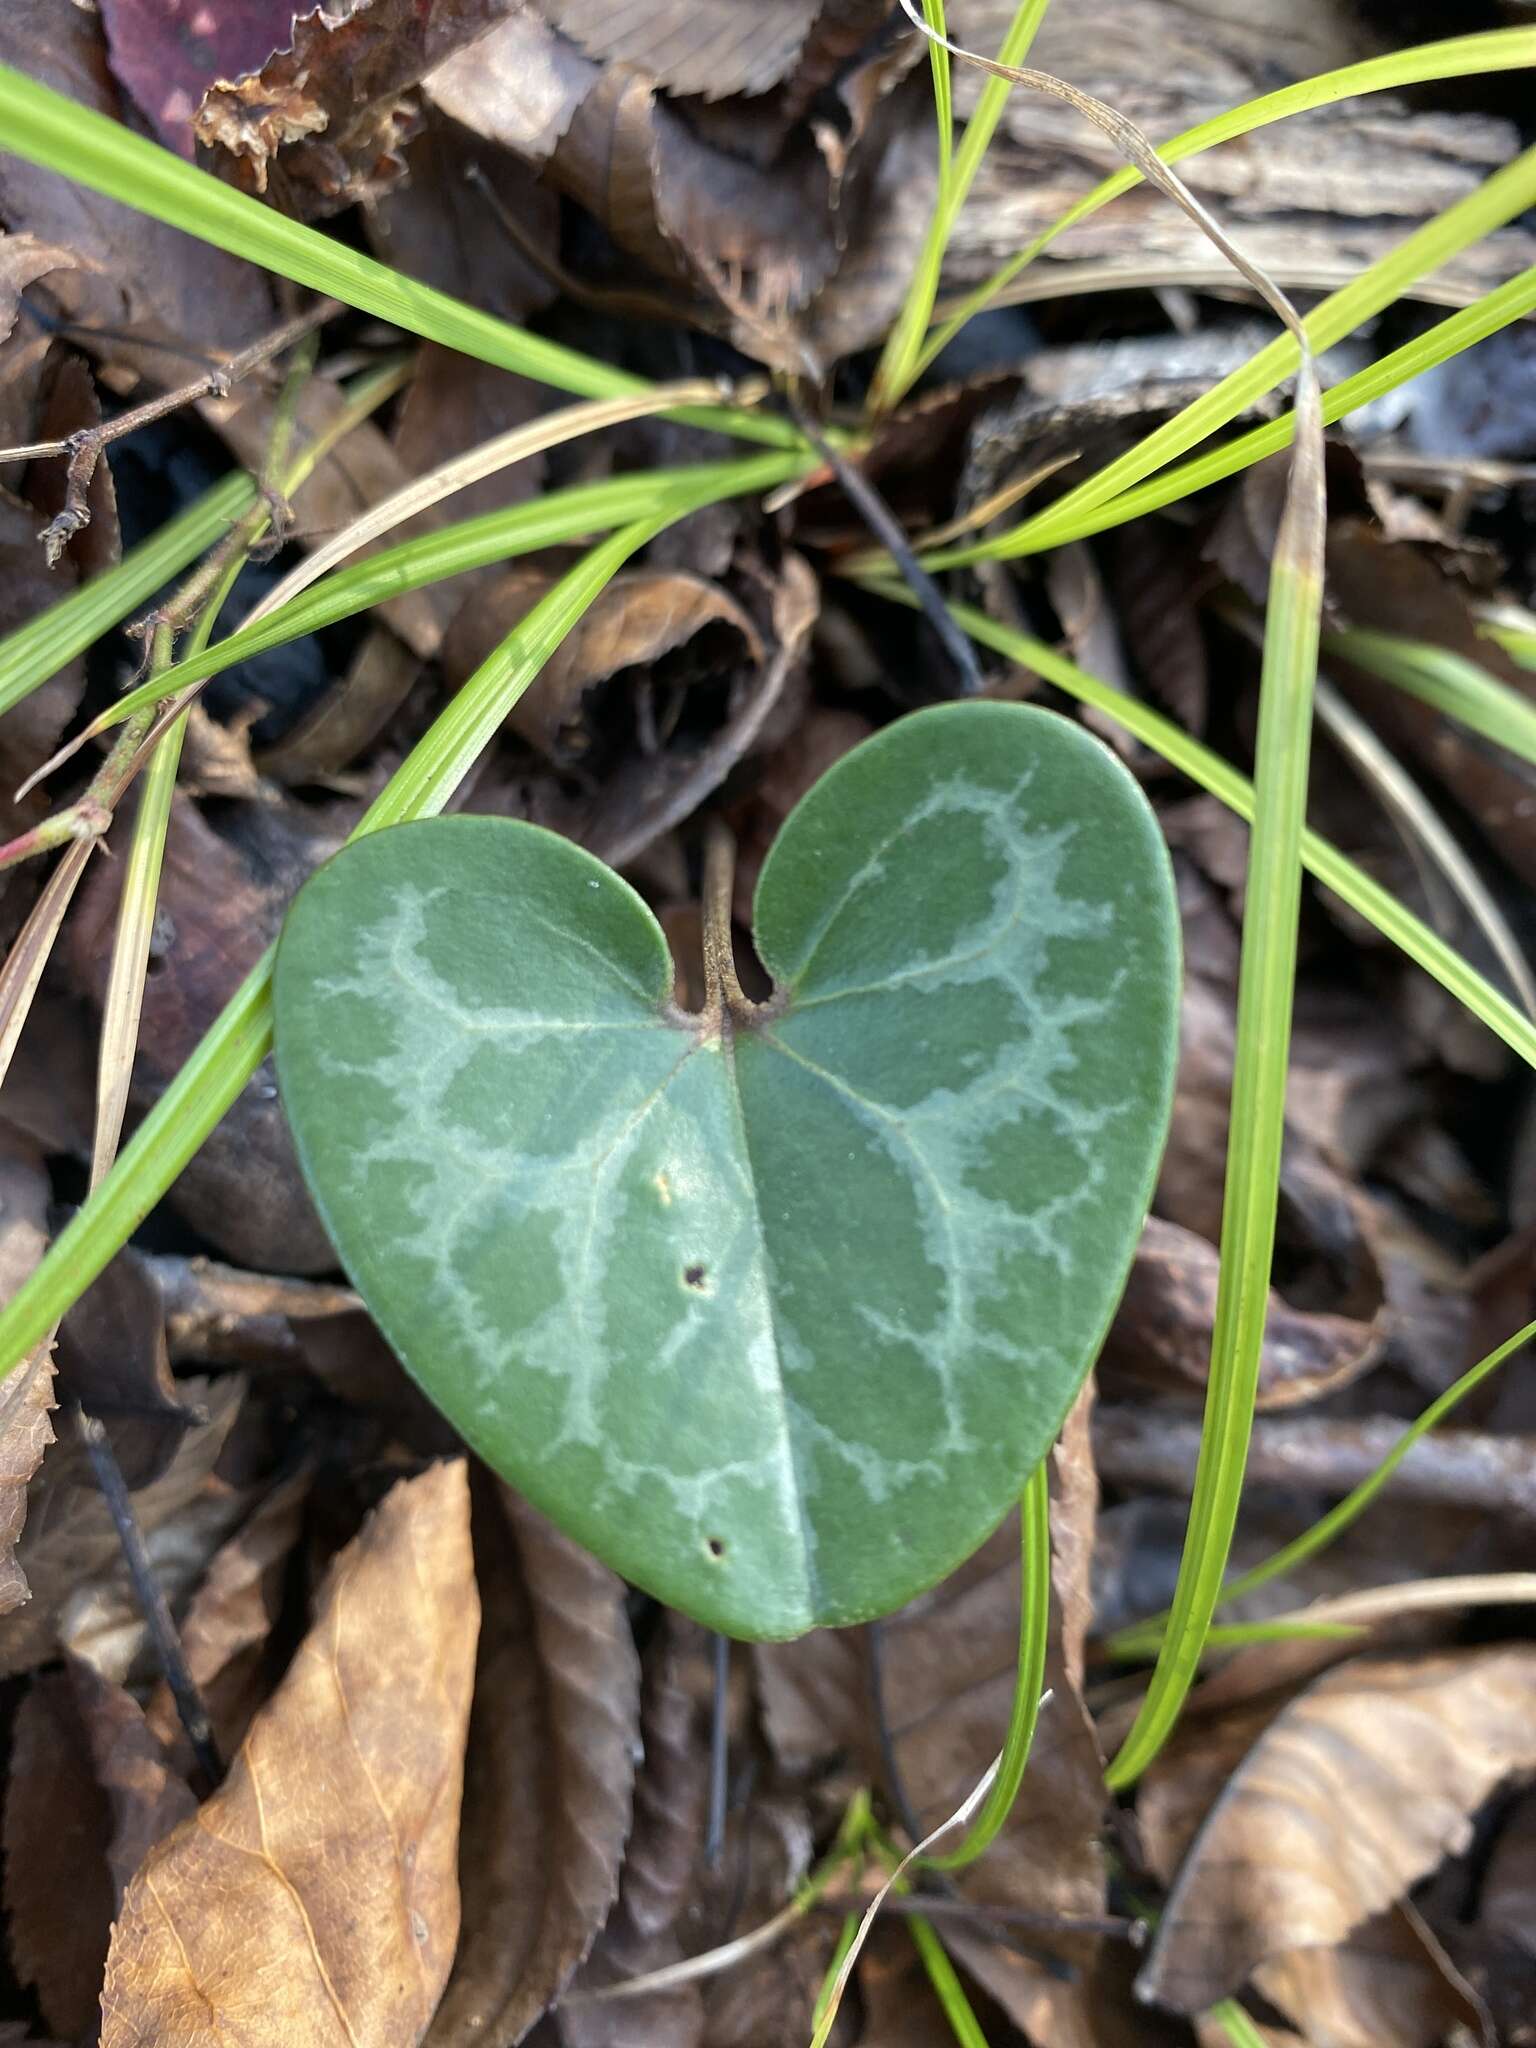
<point x="694" y="1276"/>
<point x="716" y="1547"/>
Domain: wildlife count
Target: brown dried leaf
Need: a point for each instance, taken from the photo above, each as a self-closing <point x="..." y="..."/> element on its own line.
<point x="326" y="117"/>
<point x="23" y="260"/>
<point x="58" y="1891"/>
<point x="1161" y="1336"/>
<point x="132" y="274"/>
<point x="1391" y="1985"/>
<point x="73" y="1562"/>
<point x="314" y="1898"/>
<point x="549" y="1777"/>
<point x="1354" y="1792"/>
<point x="113" y="1360"/>
<point x="712" y="47"/>
<point x="641" y="1933"/>
<point x="227" y="1628"/>
<point x="145" y="1792"/>
<point x="31" y="730"/>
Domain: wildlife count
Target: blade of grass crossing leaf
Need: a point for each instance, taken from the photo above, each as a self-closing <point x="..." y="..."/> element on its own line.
<point x="1507" y="193"/>
<point x="1334" y="869"/>
<point x="898" y="366"/>
<point x="945" y="1979"/>
<point x="1143" y="1635"/>
<point x="1510" y="49"/>
<point x="1256" y="1123"/>
<point x="240" y="1037"/>
<point x="1029" y="1681"/>
<point x="90" y="149"/>
<point x="39" y="649"/>
<point x="1513" y="634"/>
<point x="1446" y="681"/>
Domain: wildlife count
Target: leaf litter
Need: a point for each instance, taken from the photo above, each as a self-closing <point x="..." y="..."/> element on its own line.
<point x="469" y="1836"/>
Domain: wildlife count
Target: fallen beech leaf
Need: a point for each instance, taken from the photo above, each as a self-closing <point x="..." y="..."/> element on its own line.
<point x="1390" y="1985"/>
<point x="641" y="1933"/>
<point x="314" y="1899"/>
<point x="1354" y="1792"/>
<point x="549" y="1776"/>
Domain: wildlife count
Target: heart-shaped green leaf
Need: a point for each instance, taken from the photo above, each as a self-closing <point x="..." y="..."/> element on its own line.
<point x="774" y="1312"/>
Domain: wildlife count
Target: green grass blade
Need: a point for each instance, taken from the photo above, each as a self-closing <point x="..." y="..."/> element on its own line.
<point x="557" y="517"/>
<point x="1236" y="2025"/>
<point x="1029" y="1683"/>
<point x="1510" y="49"/>
<point x="945" y="1979"/>
<point x="1322" y="859"/>
<point x="1256" y="1123"/>
<point x="943" y="91"/>
<point x="40" y="648"/>
<point x="1507" y="193"/>
<point x="1514" y="300"/>
<point x="1447" y="682"/>
<point x="1517" y="641"/>
<point x="1327" y="1529"/>
<point x="899" y="361"/>
<point x="90" y="149"/>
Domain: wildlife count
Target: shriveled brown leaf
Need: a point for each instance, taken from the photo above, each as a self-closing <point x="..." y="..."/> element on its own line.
<point x="549" y="1778"/>
<point x="315" y="1897"/>
<point x="712" y="47"/>
<point x="168" y="52"/>
<point x="81" y="1597"/>
<point x="325" y="116"/>
<point x="226" y="1630"/>
<point x="641" y="1933"/>
<point x="23" y="260"/>
<point x="1354" y="1792"/>
<point x="1161" y="1335"/>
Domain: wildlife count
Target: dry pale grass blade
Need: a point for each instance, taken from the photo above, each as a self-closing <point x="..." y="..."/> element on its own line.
<point x="1351" y="1794"/>
<point x="1422" y="827"/>
<point x="28" y="957"/>
<point x="569" y="424"/>
<point x="1416" y="1596"/>
<point x="314" y="1899"/>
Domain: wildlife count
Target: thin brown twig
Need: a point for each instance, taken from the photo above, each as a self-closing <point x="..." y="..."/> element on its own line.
<point x="84" y="448"/>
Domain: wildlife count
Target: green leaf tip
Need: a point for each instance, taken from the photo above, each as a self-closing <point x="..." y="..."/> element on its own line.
<point x="775" y="1317"/>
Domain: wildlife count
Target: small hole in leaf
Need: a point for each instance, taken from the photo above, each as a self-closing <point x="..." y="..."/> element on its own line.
<point x="694" y="1276"/>
<point x="716" y="1547"/>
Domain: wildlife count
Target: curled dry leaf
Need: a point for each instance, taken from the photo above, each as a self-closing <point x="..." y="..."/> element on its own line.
<point x="1354" y="1791"/>
<point x="641" y="1933"/>
<point x="314" y="1898"/>
<point x="1390" y="1985"/>
<point x="1162" y="1330"/>
<point x="145" y="1792"/>
<point x="114" y="1361"/>
<point x="168" y="52"/>
<point x="549" y="1778"/>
